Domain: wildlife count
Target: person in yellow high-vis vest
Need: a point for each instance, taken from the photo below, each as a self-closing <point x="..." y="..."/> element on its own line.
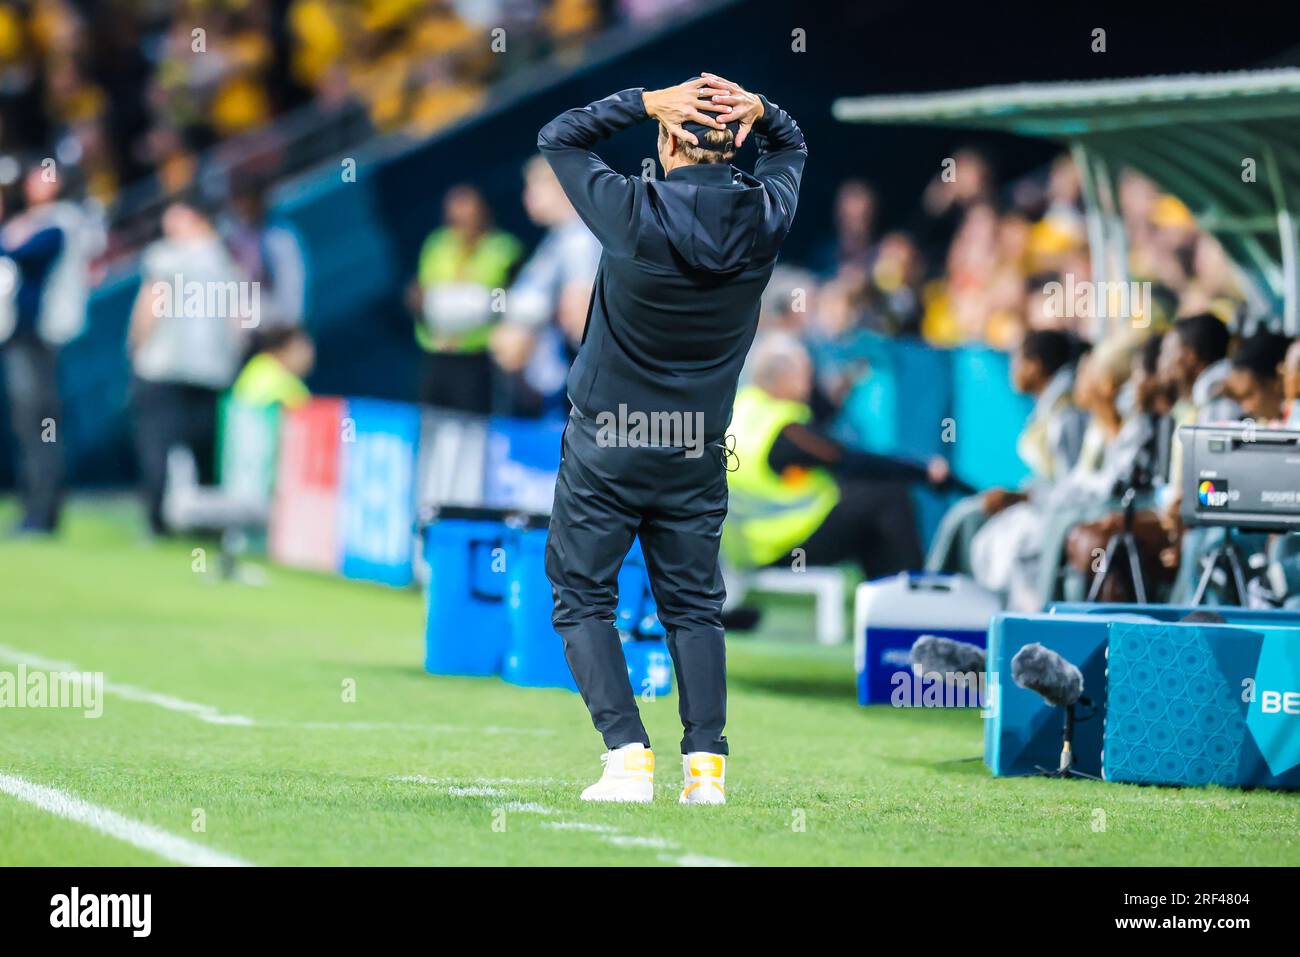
<point x="796" y="495"/>
<point x="464" y="269"/>
<point x="273" y="376"/>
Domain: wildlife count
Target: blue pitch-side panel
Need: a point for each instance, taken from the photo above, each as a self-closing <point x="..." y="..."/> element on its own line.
<point x="1231" y="614"/>
<point x="377" y="490"/>
<point x="522" y="459"/>
<point x="1022" y="732"/>
<point x="1204" y="704"/>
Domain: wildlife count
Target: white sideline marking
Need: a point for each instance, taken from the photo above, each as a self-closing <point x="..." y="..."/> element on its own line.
<point x="672" y="853"/>
<point x="213" y="715"/>
<point x="204" y="712"/>
<point x="146" y="837"/>
<point x="631" y="840"/>
<point x="697" y="860"/>
<point x="400" y="726"/>
<point x="528" y="807"/>
<point x="581" y="826"/>
<point x="486" y="782"/>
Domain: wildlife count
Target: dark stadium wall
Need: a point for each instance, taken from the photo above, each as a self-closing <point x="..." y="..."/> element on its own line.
<point x="361" y="238"/>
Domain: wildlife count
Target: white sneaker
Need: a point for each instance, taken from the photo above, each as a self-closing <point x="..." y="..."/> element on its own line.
<point x="706" y="778"/>
<point x="629" y="775"/>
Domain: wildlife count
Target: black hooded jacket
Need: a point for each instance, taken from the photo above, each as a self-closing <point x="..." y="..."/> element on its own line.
<point x="676" y="298"/>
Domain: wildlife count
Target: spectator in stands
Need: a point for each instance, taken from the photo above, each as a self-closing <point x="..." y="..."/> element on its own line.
<point x="185" y="341"/>
<point x="798" y="495"/>
<point x="1256" y="379"/>
<point x="268" y="254"/>
<point x="1016" y="553"/>
<point x="546" y="307"/>
<point x="963" y="182"/>
<point x="283" y="357"/>
<point x="891" y="293"/>
<point x="1194" y="361"/>
<point x="464" y="269"/>
<point x="1291" y="385"/>
<point x="47" y="248"/>
<point x="1049" y="444"/>
<point x="854" y="218"/>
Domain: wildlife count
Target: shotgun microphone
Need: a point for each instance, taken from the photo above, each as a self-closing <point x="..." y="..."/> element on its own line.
<point x="1043" y="671"/>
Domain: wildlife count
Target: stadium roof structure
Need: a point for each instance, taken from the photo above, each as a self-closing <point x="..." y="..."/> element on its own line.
<point x="1226" y="144"/>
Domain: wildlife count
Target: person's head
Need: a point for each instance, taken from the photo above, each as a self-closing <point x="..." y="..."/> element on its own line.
<point x="780" y="367"/>
<point x="855" y="210"/>
<point x="184" y="220"/>
<point x="1256" y="378"/>
<point x="248" y="204"/>
<point x="544" y="197"/>
<point x="1194" y="343"/>
<point x="291" y="346"/>
<point x="1150" y="391"/>
<point x="465" y="211"/>
<point x="1291" y="372"/>
<point x="789" y="300"/>
<point x="715" y="147"/>
<point x="1103" y="372"/>
<point x="1042" y="354"/>
<point x="40" y="185"/>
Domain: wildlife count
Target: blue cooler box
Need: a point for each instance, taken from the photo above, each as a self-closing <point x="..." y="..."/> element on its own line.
<point x="891" y="613"/>
<point x="649" y="667"/>
<point x="535" y="653"/>
<point x="467" y="622"/>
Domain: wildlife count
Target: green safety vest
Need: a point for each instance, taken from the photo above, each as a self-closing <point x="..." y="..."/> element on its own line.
<point x="770" y="514"/>
<point x="265" y="381"/>
<point x="443" y="260"/>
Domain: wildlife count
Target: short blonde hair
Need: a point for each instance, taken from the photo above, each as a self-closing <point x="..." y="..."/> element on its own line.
<point x="722" y="141"/>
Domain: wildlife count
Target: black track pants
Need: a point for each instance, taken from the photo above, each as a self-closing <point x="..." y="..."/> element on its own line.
<point x="675" y="500"/>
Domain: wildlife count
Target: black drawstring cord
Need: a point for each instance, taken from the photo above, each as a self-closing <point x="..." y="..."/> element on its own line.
<point x="730" y="460"/>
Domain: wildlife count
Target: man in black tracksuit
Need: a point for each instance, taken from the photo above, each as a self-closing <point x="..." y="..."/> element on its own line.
<point x="672" y="316"/>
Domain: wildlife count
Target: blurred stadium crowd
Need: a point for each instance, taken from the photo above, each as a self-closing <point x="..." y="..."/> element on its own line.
<point x="497" y="323"/>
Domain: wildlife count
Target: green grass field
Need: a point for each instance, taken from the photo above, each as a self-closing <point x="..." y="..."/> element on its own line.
<point x="421" y="770"/>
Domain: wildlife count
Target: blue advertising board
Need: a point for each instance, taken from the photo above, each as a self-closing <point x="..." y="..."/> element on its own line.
<point x="377" y="490"/>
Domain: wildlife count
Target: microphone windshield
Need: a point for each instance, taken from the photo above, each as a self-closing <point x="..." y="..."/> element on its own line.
<point x="947" y="656"/>
<point x="1042" y="670"/>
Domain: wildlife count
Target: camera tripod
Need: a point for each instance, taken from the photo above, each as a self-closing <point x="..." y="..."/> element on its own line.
<point x="1123" y="539"/>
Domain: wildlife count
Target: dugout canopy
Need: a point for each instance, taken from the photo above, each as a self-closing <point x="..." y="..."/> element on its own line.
<point x="1226" y="144"/>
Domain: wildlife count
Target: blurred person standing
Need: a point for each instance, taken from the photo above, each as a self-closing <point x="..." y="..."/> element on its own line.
<point x="184" y="352"/>
<point x="267" y="253"/>
<point x="546" y="306"/>
<point x="464" y="266"/>
<point x="47" y="247"/>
